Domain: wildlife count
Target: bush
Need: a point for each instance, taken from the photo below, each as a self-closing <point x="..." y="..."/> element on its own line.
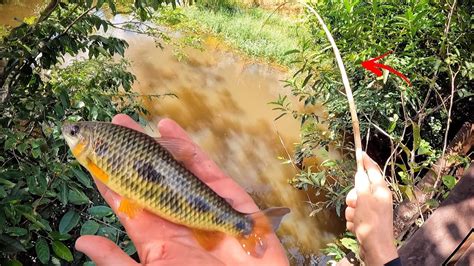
<point x="46" y="199"/>
<point x="403" y="126"/>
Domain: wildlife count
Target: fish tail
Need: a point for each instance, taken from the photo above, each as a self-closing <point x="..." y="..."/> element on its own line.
<point x="264" y="222"/>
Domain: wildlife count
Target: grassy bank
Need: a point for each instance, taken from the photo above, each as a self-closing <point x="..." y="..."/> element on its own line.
<point x="256" y="32"/>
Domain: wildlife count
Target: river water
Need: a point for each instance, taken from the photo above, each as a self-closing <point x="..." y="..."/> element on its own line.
<point x="222" y="102"/>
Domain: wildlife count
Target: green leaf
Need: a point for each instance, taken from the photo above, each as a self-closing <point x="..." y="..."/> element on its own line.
<point x="449" y="181"/>
<point x="100" y="211"/>
<point x="89" y="228"/>
<point x="58" y="236"/>
<point x="42" y="250"/>
<point x="68" y="222"/>
<point x="77" y="197"/>
<point x="130" y="248"/>
<point x="350" y="244"/>
<point x="291" y="52"/>
<point x="416" y="136"/>
<point x="329" y="163"/>
<point x="10" y="143"/>
<point x="82" y="177"/>
<point x="11" y="245"/>
<point x="13" y="262"/>
<point x="62" y="251"/>
<point x="108" y="231"/>
<point x="64" y="97"/>
<point x="393" y="123"/>
<point x="3" y="193"/>
<point x="305" y="81"/>
<point x="39" y="222"/>
<point x="407" y="191"/>
<point x="112" y="6"/>
<point x="89" y="263"/>
<point x="63" y="193"/>
<point x="425" y="148"/>
<point x="36" y="153"/>
<point x="16" y="231"/>
<point x="432" y="203"/>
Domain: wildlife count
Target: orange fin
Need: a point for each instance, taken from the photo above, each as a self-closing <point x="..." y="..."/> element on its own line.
<point x="129" y="208"/>
<point x="78" y="149"/>
<point x="181" y="149"/>
<point x="264" y="222"/>
<point x="97" y="172"/>
<point x="208" y="239"/>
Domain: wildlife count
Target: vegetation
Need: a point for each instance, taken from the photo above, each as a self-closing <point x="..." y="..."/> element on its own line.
<point x="256" y="32"/>
<point x="45" y="201"/>
<point x="406" y="127"/>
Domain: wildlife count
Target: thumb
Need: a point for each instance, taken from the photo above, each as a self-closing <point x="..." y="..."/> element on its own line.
<point x="362" y="183"/>
<point x="102" y="251"/>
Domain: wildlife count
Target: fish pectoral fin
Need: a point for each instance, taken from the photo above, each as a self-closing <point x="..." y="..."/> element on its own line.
<point x="129" y="208"/>
<point x="181" y="149"/>
<point x="97" y="172"/>
<point x="208" y="239"/>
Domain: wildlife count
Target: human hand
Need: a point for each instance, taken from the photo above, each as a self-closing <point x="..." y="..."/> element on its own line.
<point x="159" y="242"/>
<point x="369" y="215"/>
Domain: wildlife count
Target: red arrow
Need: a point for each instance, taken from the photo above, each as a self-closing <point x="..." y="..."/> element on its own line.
<point x="371" y="65"/>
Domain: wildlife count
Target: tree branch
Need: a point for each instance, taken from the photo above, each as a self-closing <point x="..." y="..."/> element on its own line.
<point x="347" y="87"/>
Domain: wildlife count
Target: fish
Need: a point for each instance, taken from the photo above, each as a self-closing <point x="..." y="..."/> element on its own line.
<point x="143" y="171"/>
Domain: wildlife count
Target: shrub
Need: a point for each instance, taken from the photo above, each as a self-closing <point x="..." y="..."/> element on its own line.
<point x="406" y="125"/>
<point x="46" y="199"/>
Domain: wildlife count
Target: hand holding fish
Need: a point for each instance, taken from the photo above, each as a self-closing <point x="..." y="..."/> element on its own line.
<point x="161" y="242"/>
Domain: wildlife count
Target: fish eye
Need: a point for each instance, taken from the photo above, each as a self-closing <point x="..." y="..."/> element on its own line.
<point x="74" y="130"/>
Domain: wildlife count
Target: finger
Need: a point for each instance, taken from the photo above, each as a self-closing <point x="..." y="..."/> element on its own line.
<point x="103" y="251"/>
<point x="383" y="194"/>
<point x="373" y="171"/>
<point x="126" y="121"/>
<point x="171" y="253"/>
<point x="351" y="198"/>
<point x="145" y="226"/>
<point x="349" y="213"/>
<point x="362" y="183"/>
<point x="350" y="226"/>
<point x="204" y="168"/>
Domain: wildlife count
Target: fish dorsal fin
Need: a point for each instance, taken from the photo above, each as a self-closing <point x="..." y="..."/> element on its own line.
<point x="264" y="222"/>
<point x="208" y="239"/>
<point x="181" y="149"/>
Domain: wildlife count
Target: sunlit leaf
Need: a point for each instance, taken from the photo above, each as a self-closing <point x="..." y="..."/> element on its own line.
<point x="350" y="244"/>
<point x="449" y="181"/>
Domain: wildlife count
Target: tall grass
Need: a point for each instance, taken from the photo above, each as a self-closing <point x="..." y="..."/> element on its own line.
<point x="255" y="31"/>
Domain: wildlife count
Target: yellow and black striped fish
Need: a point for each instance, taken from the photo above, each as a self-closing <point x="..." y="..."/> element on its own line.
<point x="141" y="170"/>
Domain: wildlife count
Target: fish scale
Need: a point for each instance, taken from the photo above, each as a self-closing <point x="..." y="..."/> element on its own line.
<point x="140" y="169"/>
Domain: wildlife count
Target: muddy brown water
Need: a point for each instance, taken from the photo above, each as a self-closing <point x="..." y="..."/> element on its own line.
<point x="222" y="102"/>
